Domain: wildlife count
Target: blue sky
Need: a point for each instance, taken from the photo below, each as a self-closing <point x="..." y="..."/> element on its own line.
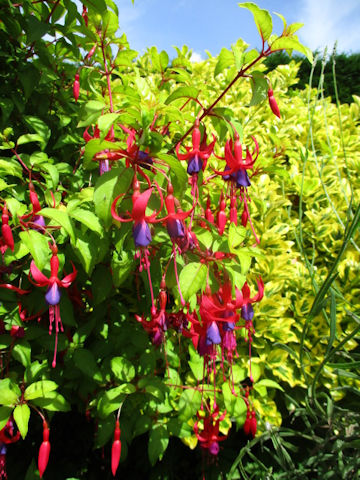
<point x="213" y="24"/>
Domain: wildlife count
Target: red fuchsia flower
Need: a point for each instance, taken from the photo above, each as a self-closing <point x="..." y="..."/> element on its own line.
<point x="175" y="227"/>
<point x="250" y="425"/>
<point x="237" y="166"/>
<point x="105" y="157"/>
<point x="7" y="236"/>
<point x="243" y="298"/>
<point x="7" y="436"/>
<point x="157" y="326"/>
<point x="44" y="451"/>
<point x="53" y="293"/>
<point x="209" y="437"/>
<point x="141" y="230"/>
<point x="198" y="154"/>
<point x="76" y="87"/>
<point x="247" y="312"/>
<point x="133" y="155"/>
<point x="116" y="449"/>
<point x="85" y="15"/>
<point x="273" y="105"/>
<point x="33" y="220"/>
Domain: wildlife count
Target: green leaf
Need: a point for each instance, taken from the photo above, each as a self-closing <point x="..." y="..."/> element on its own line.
<point x="90" y="112"/>
<point x="93" y="147"/>
<point x="189" y="404"/>
<point x="291" y="43"/>
<point x="234" y="404"/>
<point x="85" y="362"/>
<point x="29" y="138"/>
<point x="37" y="245"/>
<point x="9" y="392"/>
<point x="22" y="352"/>
<point x="107" y="187"/>
<point x="259" y="87"/>
<point x="105" y="122"/>
<point x="88" y="218"/>
<point x="21" y="416"/>
<point x="188" y="92"/>
<point x="53" y="173"/>
<point x="262" y="19"/>
<point x="192" y="279"/>
<point x="110" y="400"/>
<point x="158" y="442"/>
<point x="237" y="235"/>
<point x="179" y="177"/>
<point x="101" y="284"/>
<point x="39" y="389"/>
<point x="35" y="29"/>
<point x="123" y="369"/>
<point x="269" y="383"/>
<point x="54" y="402"/>
<point x="225" y="59"/>
<point x="5" y="413"/>
<point x="62" y="218"/>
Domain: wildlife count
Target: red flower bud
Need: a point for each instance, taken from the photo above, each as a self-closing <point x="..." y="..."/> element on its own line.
<point x="273" y="105"/>
<point x="76" y="87"/>
<point x="6" y="230"/>
<point x="244" y="218"/>
<point x="85" y="15"/>
<point x="221" y="217"/>
<point x="253" y="424"/>
<point x="116" y="449"/>
<point x="44" y="451"/>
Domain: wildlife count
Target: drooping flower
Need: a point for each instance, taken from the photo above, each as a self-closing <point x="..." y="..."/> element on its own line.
<point x="7" y="436"/>
<point x="237" y="166"/>
<point x="198" y="154"/>
<point x="209" y="436"/>
<point x="53" y="293"/>
<point x="141" y="231"/>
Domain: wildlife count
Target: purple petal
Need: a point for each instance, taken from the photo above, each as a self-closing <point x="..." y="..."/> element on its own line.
<point x="194" y="165"/>
<point x="53" y="294"/>
<point x="104" y="166"/>
<point x="145" y="158"/>
<point x="203" y="348"/>
<point x="175" y="228"/>
<point x="213" y="334"/>
<point x="247" y="312"/>
<point x="242" y="178"/>
<point x="141" y="234"/>
<point x="228" y="326"/>
<point x="226" y="177"/>
<point x="229" y="341"/>
<point x="214" y="448"/>
<point x="39" y="220"/>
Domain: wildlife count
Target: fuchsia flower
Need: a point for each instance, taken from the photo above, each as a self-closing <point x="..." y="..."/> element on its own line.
<point x="7" y="436"/>
<point x="243" y="299"/>
<point x="53" y="293"/>
<point x="198" y="154"/>
<point x="141" y="231"/>
<point x="105" y="156"/>
<point x="237" y="166"/>
<point x="250" y="425"/>
<point x="209" y="437"/>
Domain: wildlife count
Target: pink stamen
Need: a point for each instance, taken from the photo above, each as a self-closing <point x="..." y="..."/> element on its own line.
<point x="249" y="218"/>
<point x="147" y="268"/>
<point x="176" y="275"/>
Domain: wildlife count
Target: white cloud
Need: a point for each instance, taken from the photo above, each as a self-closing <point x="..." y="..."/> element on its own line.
<point x="328" y="21"/>
<point x="196" y="57"/>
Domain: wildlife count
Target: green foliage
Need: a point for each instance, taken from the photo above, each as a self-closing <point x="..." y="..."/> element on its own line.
<point x="304" y="198"/>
